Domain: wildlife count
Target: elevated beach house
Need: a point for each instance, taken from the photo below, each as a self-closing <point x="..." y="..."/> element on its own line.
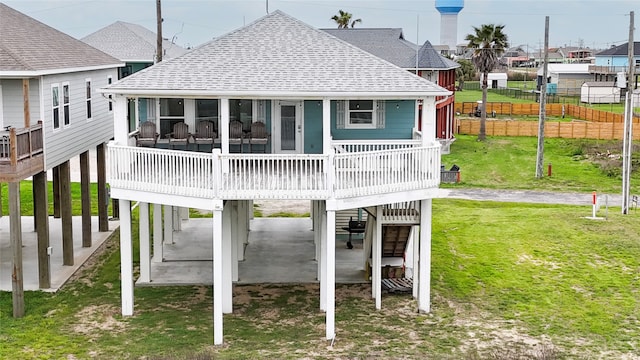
<point x="49" y="113"/>
<point x="279" y="110"/>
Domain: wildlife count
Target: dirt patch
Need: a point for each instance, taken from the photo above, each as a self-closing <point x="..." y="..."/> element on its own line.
<point x="271" y="207"/>
<point x="95" y="319"/>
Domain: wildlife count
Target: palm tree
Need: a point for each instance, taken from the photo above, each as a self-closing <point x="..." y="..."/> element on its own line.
<point x="488" y="43"/>
<point x="343" y="19"/>
<point x="465" y="72"/>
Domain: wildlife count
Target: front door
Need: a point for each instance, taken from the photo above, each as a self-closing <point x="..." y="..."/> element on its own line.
<point x="288" y="127"/>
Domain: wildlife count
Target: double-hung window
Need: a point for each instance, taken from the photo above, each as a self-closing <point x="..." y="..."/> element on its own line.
<point x="55" y="105"/>
<point x="88" y="98"/>
<point x="171" y="113"/>
<point x="65" y="103"/>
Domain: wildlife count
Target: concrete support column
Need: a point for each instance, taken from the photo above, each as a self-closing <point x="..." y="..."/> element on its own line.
<point x="330" y="291"/>
<point x="376" y="269"/>
<point x="85" y="194"/>
<point x="242" y="230"/>
<point x="168" y="224"/>
<point x="217" y="276"/>
<point x="177" y="220"/>
<point x="227" y="283"/>
<point x="145" y="251"/>
<point x="416" y="261"/>
<point x="15" y="235"/>
<point x="65" y="213"/>
<point x="157" y="233"/>
<point x="40" y="209"/>
<point x="126" y="258"/>
<point x="424" y="291"/>
<point x="103" y="201"/>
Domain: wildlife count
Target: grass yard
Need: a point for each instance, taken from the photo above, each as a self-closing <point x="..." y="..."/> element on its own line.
<point x="510" y="163"/>
<point x="522" y="280"/>
<point x="475" y="95"/>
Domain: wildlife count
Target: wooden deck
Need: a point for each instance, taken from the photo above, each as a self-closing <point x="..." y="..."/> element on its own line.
<point x="21" y="153"/>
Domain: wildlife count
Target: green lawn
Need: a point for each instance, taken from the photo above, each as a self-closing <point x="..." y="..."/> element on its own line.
<point x="509" y="281"/>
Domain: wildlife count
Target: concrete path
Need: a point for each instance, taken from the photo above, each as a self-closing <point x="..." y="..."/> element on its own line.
<point x="528" y="196"/>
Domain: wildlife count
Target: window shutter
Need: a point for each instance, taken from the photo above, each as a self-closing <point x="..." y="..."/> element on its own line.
<point x="380" y="115"/>
<point x="340" y="114"/>
<point x="262" y="111"/>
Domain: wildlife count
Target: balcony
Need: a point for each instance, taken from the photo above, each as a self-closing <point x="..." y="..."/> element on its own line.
<point x="21" y="153"/>
<point x="354" y="169"/>
<point x="598" y="69"/>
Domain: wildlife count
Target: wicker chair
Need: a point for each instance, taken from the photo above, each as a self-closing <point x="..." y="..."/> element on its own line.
<point x="147" y="134"/>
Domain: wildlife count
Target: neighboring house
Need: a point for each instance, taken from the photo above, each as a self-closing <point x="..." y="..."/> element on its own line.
<point x="567" y="78"/>
<point x="609" y="63"/>
<point x="132" y="44"/>
<point x="390" y="44"/>
<point x="136" y="47"/>
<point x="50" y="112"/>
<point x="342" y="132"/>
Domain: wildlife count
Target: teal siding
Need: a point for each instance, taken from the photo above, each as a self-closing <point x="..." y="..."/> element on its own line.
<point x="399" y="123"/>
<point x="313" y="127"/>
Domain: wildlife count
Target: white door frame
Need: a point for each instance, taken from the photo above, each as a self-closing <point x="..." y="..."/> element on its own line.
<point x="276" y="126"/>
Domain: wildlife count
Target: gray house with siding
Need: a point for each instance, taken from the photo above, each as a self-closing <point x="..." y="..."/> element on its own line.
<point x="50" y="112"/>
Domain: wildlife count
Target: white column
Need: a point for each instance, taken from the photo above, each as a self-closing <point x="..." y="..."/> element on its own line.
<point x="323" y="257"/>
<point x="227" y="283"/>
<point x="236" y="239"/>
<point x="157" y="233"/>
<point x="428" y="121"/>
<point x="217" y="276"/>
<point x="424" y="293"/>
<point x="416" y="262"/>
<point x="326" y="126"/>
<point x="223" y="126"/>
<point x="120" y="122"/>
<point x="145" y="251"/>
<point x="126" y="258"/>
<point x="330" y="275"/>
<point x="377" y="259"/>
<point x="242" y="230"/>
<point x="177" y="220"/>
<point x="168" y="224"/>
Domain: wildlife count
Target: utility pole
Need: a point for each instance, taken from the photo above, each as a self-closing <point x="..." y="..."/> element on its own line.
<point x="627" y="145"/>
<point x="159" y="32"/>
<point x="543" y="102"/>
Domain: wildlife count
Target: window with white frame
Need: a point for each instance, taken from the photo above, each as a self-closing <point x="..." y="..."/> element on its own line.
<point x="360" y="114"/>
<point x="65" y="103"/>
<point x="55" y="105"/>
<point x="207" y="110"/>
<point x="171" y="113"/>
<point x="109" y="81"/>
<point x="88" y="98"/>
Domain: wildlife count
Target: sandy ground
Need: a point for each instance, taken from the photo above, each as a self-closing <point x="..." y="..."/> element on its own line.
<point x="270" y="207"/>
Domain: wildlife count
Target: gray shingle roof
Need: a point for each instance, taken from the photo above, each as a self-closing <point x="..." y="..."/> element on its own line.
<point x="621" y="50"/>
<point x="130" y="42"/>
<point x="389" y="44"/>
<point x="275" y="55"/>
<point x="27" y="45"/>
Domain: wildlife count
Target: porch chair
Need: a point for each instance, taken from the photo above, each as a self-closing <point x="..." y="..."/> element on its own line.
<point x="147" y="134"/>
<point x="258" y="136"/>
<point x="179" y="136"/>
<point x="236" y="137"/>
<point x="205" y="134"/>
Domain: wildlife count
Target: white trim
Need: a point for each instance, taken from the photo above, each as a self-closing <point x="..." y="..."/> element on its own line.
<point x="54" y="107"/>
<point x="283" y="95"/>
<point x="66" y="116"/>
<point x="110" y="99"/>
<point x="34" y="73"/>
<point x="276" y="126"/>
<point x="1" y="109"/>
<point x="88" y="98"/>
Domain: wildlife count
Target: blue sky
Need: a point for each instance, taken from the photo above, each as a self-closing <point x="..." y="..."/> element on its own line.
<point x="596" y="24"/>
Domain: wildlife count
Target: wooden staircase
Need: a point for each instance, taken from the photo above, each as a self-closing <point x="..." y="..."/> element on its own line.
<point x="394" y="240"/>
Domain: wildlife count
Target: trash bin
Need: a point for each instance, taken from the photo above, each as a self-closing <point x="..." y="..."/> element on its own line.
<point x="455" y="168"/>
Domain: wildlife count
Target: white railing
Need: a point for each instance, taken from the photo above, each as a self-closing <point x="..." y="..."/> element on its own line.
<point x="273" y="176"/>
<point x="401" y="213"/>
<point x="351" y="146"/>
<point x="380" y="172"/>
<point x="162" y="171"/>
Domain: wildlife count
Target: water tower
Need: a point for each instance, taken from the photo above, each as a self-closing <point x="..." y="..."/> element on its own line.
<point x="449" y="10"/>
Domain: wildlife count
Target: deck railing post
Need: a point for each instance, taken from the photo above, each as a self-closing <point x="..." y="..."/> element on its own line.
<point x="331" y="174"/>
<point x="13" y="153"/>
<point x="217" y="172"/>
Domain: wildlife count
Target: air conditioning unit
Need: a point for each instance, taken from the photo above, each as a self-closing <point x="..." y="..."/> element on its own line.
<point x="621" y="80"/>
